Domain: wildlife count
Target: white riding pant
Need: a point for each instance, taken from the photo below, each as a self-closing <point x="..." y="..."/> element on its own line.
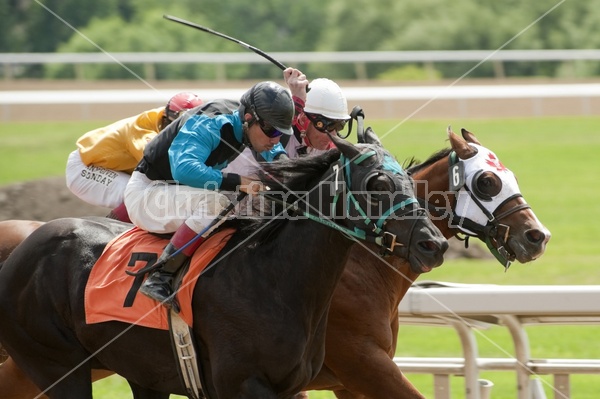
<point x="94" y="184"/>
<point x="159" y="207"/>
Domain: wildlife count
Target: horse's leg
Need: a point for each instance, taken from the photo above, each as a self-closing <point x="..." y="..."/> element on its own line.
<point x="343" y="394"/>
<point x="100" y="374"/>
<point x="253" y="388"/>
<point x="145" y="393"/>
<point x="381" y="379"/>
<point x="70" y="378"/>
<point x="14" y="384"/>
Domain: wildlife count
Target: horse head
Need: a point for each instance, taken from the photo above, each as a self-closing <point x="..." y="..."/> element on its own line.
<point x="366" y="194"/>
<point x="481" y="198"/>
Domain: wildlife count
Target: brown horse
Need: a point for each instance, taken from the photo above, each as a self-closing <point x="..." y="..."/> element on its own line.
<point x="362" y="328"/>
<point x="12" y="232"/>
<point x="13" y="383"/>
<point x="363" y="322"/>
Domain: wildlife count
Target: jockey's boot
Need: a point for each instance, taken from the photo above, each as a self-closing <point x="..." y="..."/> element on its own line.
<point x="119" y="213"/>
<point x="159" y="284"/>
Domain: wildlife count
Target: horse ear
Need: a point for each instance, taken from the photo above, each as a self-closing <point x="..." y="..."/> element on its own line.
<point x="460" y="145"/>
<point x="371" y="137"/>
<point x="470" y="137"/>
<point x="346" y="147"/>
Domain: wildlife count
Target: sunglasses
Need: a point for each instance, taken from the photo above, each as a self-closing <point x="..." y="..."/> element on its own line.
<point x="325" y="125"/>
<point x="269" y="131"/>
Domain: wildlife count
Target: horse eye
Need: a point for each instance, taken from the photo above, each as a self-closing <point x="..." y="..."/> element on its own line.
<point x="488" y="184"/>
<point x="380" y="183"/>
<point x="379" y="187"/>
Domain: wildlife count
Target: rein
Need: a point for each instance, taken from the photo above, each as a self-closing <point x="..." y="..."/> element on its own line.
<point x="364" y="228"/>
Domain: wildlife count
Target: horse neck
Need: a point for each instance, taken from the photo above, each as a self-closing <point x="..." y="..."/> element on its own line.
<point x="315" y="254"/>
<point x="432" y="185"/>
<point x="391" y="275"/>
<point x="394" y="274"/>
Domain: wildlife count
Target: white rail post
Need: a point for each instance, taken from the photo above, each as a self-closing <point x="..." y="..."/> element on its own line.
<point x="470" y="353"/>
<point x="441" y="386"/>
<point x="562" y="386"/>
<point x="521" y="344"/>
<point x="485" y="389"/>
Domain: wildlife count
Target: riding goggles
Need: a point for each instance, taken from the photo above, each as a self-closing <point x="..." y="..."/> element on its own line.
<point x="269" y="131"/>
<point x="324" y="124"/>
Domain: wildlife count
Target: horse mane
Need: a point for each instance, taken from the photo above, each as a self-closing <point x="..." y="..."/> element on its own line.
<point x="414" y="166"/>
<point x="285" y="175"/>
<point x="300" y="173"/>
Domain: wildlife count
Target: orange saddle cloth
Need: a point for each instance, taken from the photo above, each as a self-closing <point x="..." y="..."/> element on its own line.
<point x="112" y="295"/>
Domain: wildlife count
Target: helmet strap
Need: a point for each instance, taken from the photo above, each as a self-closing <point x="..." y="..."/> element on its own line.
<point x="245" y="139"/>
<point x="306" y="139"/>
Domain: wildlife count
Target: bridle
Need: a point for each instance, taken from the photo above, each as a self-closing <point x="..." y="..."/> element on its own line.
<point x="493" y="233"/>
<point x="362" y="226"/>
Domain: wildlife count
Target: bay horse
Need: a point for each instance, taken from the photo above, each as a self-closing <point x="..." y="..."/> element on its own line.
<point x="260" y="314"/>
<point x="362" y="328"/>
<point x="12" y="232"/>
<point x="14" y="384"/>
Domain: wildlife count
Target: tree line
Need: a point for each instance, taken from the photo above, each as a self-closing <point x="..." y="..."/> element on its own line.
<point x="307" y="25"/>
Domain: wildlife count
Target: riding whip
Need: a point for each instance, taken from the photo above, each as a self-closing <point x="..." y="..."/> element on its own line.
<point x="233" y="39"/>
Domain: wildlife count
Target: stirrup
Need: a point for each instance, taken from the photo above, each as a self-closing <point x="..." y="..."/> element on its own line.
<point x="158" y="281"/>
<point x="152" y="289"/>
<point x="145" y="269"/>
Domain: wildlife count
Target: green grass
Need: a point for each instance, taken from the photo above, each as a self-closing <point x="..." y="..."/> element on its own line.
<point x="36" y="150"/>
<point x="556" y="161"/>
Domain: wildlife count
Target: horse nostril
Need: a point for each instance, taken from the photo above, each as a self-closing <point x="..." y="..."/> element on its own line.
<point x="444" y="245"/>
<point x="535" y="236"/>
<point x="433" y="246"/>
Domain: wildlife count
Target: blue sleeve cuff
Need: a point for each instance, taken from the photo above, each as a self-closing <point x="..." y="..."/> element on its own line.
<point x="273" y="153"/>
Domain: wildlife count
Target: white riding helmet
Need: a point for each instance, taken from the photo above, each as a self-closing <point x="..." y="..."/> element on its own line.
<point x="326" y="98"/>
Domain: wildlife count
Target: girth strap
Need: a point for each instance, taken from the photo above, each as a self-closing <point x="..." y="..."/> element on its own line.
<point x="183" y="345"/>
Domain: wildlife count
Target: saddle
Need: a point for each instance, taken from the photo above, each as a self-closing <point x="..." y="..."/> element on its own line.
<point x="111" y="293"/>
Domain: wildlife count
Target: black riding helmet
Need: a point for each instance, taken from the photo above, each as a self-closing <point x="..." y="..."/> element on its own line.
<point x="270" y="103"/>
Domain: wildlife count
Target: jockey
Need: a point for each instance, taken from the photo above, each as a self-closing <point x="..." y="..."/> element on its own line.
<point x="318" y="113"/>
<point x="192" y="153"/>
<point x="99" y="169"/>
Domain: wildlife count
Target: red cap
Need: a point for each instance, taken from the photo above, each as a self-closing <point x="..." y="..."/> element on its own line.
<point x="180" y="102"/>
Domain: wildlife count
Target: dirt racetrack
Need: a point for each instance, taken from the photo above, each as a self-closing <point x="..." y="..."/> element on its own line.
<point x="44" y="199"/>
